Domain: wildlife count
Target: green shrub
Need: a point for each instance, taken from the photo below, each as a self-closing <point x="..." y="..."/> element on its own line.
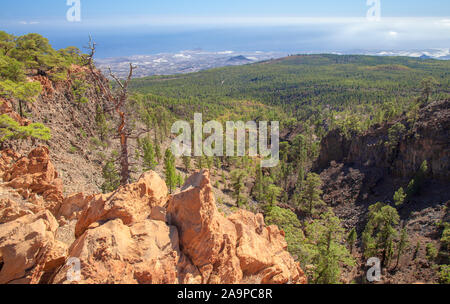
<point x="399" y="197"/>
<point x="79" y="89"/>
<point x="395" y="133"/>
<point x="11" y="129"/>
<point x="444" y="274"/>
<point x="431" y="252"/>
<point x="289" y="223"/>
<point x="110" y="174"/>
<point x="73" y="150"/>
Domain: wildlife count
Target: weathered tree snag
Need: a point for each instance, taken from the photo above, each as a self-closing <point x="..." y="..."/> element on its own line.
<point x="122" y="131"/>
<point x="118" y="102"/>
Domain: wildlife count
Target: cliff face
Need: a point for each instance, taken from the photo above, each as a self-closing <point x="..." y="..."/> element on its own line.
<point x="137" y="234"/>
<point x="427" y="139"/>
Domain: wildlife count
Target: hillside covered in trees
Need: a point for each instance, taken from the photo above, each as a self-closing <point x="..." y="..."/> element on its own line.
<point x="330" y="105"/>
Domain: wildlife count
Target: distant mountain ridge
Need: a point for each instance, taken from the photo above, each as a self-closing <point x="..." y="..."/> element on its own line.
<point x="239" y="58"/>
<point x="182" y="62"/>
<point x="190" y="61"/>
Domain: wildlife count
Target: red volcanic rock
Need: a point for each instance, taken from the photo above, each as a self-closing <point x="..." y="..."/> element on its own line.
<point x="131" y="203"/>
<point x="227" y="250"/>
<point x="262" y="250"/>
<point x="36" y="174"/>
<point x="132" y="235"/>
<point x="72" y="205"/>
<point x="28" y="248"/>
<point x="144" y="253"/>
<point x="7" y="108"/>
<point x="207" y="237"/>
<point x="7" y="157"/>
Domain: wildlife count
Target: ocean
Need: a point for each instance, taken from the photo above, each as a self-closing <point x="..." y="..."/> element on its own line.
<point x="320" y="38"/>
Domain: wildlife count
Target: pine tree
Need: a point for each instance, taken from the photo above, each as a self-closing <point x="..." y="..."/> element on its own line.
<point x="11" y="129"/>
<point x="110" y="175"/>
<point x="351" y="239"/>
<point x="209" y="162"/>
<point x="200" y="162"/>
<point x="310" y="196"/>
<point x="416" y="183"/>
<point x="287" y="221"/>
<point x="286" y="171"/>
<point x="187" y="163"/>
<point x="169" y="170"/>
<point x="100" y="122"/>
<point x="180" y="180"/>
<point x="272" y="193"/>
<point x="237" y="181"/>
<point x="399" y="197"/>
<point x="224" y="180"/>
<point x="22" y="91"/>
<point x="324" y="240"/>
<point x="217" y="162"/>
<point x="157" y="151"/>
<point x="300" y="180"/>
<point x="148" y="153"/>
<point x="428" y="85"/>
<point x="380" y="231"/>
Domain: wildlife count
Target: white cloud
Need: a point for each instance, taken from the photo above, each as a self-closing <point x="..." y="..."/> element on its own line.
<point x="445" y="22"/>
<point x="182" y="56"/>
<point x="225" y="52"/>
<point x="393" y="34"/>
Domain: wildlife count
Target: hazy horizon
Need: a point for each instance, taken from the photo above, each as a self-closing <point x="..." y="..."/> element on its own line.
<point x="140" y="27"/>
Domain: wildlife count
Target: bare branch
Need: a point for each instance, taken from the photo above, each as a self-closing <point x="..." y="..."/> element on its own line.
<point x="115" y="78"/>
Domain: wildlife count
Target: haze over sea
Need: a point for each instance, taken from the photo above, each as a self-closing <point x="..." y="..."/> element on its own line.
<point x="142" y="27"/>
<point x="288" y="39"/>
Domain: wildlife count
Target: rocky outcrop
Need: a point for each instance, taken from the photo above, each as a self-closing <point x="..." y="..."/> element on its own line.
<point x="225" y="250"/>
<point x="207" y="238"/>
<point x="262" y="250"/>
<point x="7" y="158"/>
<point x="131" y="203"/>
<point x="143" y="253"/>
<point x="35" y="174"/>
<point x="135" y="235"/>
<point x="424" y="139"/>
<point x="28" y="248"/>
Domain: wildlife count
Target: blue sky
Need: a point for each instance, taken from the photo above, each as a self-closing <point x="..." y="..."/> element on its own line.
<point x="28" y="10"/>
<point x="319" y="24"/>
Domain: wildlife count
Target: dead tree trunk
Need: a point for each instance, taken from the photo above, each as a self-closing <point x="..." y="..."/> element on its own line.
<point x="118" y="103"/>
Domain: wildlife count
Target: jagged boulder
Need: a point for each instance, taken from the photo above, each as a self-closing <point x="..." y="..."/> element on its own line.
<point x="7" y="158"/>
<point x="131" y="203"/>
<point x="144" y="253"/>
<point x="11" y="210"/>
<point x="225" y="250"/>
<point x="28" y="248"/>
<point x="262" y="250"/>
<point x="206" y="236"/>
<point x="7" y="108"/>
<point x="72" y="205"/>
<point x="35" y="174"/>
